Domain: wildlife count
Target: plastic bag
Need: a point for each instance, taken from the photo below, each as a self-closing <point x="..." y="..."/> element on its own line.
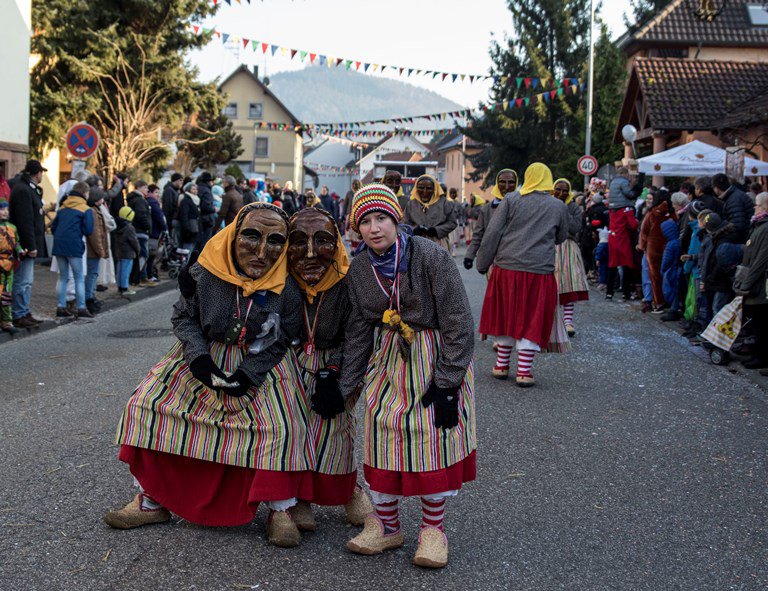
<point x="269" y="335"/>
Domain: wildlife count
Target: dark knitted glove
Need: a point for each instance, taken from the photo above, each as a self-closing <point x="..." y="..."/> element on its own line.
<point x="432" y="232"/>
<point x="203" y="368"/>
<point x="187" y="285"/>
<point x="468" y="264"/>
<point x="244" y="384"/>
<point x="446" y="402"/>
<point x="420" y="231"/>
<point x="327" y="400"/>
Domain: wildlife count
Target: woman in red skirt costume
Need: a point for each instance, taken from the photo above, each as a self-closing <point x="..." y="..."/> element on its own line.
<point x="571" y="277"/>
<point x="409" y="348"/>
<point x="521" y="298"/>
<point x="220" y="424"/>
<point x="318" y="262"/>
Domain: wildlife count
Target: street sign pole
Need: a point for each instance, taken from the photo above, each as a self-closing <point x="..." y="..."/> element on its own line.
<point x="588" y="143"/>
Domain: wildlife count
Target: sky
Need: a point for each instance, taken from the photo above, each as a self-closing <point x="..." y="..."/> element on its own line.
<point x="438" y="35"/>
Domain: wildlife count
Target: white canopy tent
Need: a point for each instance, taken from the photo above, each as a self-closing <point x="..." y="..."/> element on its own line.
<point x="695" y="159"/>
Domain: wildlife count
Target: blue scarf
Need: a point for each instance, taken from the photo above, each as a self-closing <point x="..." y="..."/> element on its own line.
<point x="385" y="264"/>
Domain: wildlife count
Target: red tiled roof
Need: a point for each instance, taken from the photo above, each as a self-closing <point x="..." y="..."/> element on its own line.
<point x="695" y="95"/>
<point x="676" y="25"/>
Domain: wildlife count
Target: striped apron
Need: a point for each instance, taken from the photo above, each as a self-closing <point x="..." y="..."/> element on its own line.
<point x="334" y="439"/>
<point x="399" y="431"/>
<point x="267" y="429"/>
<point x="569" y="270"/>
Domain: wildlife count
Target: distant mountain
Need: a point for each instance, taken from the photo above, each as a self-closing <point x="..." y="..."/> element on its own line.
<point x="318" y="94"/>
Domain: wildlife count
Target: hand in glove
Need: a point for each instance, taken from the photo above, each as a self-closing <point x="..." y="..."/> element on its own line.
<point x="203" y="369"/>
<point x="243" y="381"/>
<point x="432" y="232"/>
<point x="420" y="231"/>
<point x="468" y="264"/>
<point x="327" y="400"/>
<point x="187" y="285"/>
<point x="446" y="402"/>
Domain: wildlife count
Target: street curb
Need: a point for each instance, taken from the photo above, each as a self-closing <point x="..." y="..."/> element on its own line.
<point x="112" y="304"/>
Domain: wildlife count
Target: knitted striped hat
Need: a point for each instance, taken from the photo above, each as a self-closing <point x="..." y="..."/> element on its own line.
<point x="374" y="197"/>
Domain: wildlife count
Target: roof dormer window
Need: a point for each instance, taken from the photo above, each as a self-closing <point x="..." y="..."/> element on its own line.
<point x="758" y="14"/>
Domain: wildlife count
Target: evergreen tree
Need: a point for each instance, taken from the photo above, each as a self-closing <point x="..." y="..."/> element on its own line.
<point x="119" y="64"/>
<point x="212" y="141"/>
<point x="642" y="12"/>
<point x="551" y="42"/>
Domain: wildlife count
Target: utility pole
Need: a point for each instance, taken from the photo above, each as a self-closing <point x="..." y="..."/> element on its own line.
<point x="590" y="84"/>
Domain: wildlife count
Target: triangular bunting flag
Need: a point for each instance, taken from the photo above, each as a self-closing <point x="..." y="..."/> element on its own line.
<point x="321" y="59"/>
<point x="365" y="67"/>
<point x="471" y="79"/>
<point x="560" y="91"/>
<point x="338" y="61"/>
<point x="195" y="28"/>
<point x="245" y="43"/>
<point x="552" y="93"/>
<point x="454" y="76"/>
<point x="274" y="48"/>
<point x="528" y="82"/>
<point x="348" y="64"/>
<point x="357" y="65"/>
<point x="312" y="57"/>
<point x="462" y="77"/>
<point x="535" y="83"/>
<point x="264" y="47"/>
<point x="519" y="102"/>
<point x="224" y="37"/>
<point x="527" y="101"/>
<point x="302" y="55"/>
<point x="518" y="82"/>
<point x="293" y="53"/>
<point x="410" y="71"/>
<point x="546" y="97"/>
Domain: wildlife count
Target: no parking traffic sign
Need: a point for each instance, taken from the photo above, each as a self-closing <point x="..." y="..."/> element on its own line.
<point x="587" y="165"/>
<point x="82" y="140"/>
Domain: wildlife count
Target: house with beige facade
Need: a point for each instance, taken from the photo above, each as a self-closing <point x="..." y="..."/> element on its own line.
<point x="273" y="154"/>
<point x="14" y="99"/>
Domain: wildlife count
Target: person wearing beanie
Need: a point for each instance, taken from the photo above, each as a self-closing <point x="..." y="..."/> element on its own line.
<point x="97" y="248"/>
<point x="189" y="217"/>
<point x="429" y="212"/>
<point x="408" y="350"/>
<point x="506" y="183"/>
<point x="220" y="424"/>
<point x="127" y="249"/>
<point x="521" y="299"/>
<point x="11" y="251"/>
<point x="231" y="203"/>
<point x="318" y="262"/>
<point x="72" y="223"/>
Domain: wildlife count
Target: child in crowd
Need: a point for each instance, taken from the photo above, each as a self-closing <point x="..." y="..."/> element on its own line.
<point x="127" y="247"/>
<point x="601" y="256"/>
<point x="10" y="252"/>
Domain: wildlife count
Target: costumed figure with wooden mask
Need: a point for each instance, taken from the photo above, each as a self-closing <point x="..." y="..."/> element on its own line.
<point x="319" y="263"/>
<point x="221" y="423"/>
<point x="429" y="213"/>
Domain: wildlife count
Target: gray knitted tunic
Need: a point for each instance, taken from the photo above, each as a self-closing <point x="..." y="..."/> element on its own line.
<point x="484" y="215"/>
<point x="442" y="216"/>
<point x="207" y="315"/>
<point x="523" y="234"/>
<point x="575" y="221"/>
<point x="432" y="296"/>
<point x="330" y="328"/>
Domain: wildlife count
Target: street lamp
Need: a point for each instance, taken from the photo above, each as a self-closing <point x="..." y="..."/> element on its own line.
<point x="706" y="10"/>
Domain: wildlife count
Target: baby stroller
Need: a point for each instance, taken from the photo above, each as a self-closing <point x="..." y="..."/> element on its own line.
<point x="171" y="257"/>
<point x="727" y="335"/>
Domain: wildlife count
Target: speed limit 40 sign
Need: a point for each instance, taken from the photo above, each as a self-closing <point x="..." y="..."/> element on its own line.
<point x="587" y="165"/>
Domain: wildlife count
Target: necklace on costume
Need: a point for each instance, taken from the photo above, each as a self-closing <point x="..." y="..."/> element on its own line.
<point x="391" y="316"/>
<point x="309" y="346"/>
<point x="236" y="330"/>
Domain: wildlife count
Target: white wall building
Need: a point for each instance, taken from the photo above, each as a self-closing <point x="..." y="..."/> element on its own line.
<point x="331" y="154"/>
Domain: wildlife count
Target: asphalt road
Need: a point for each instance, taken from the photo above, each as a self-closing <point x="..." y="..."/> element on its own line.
<point x="634" y="464"/>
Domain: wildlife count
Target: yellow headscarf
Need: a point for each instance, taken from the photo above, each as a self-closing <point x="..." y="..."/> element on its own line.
<point x="435" y="198"/>
<point x="331" y="277"/>
<point x="218" y="258"/>
<point x="476" y="200"/>
<point x="570" y="189"/>
<point x="538" y="177"/>
<point x="495" y="192"/>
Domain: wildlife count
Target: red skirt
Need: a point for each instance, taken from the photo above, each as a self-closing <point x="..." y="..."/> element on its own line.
<point x="332" y="489"/>
<point x="416" y="484"/>
<point x="208" y="493"/>
<point x="574" y="296"/>
<point x="519" y="305"/>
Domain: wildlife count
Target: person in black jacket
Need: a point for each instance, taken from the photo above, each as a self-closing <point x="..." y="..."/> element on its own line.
<point x="207" y="210"/>
<point x="142" y="222"/>
<point x="170" y="203"/>
<point x="738" y="208"/>
<point x="26" y="213"/>
<point x="189" y="217"/>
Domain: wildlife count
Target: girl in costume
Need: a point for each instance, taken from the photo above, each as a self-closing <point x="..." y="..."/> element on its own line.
<point x="521" y="298"/>
<point x="569" y="266"/>
<point x="409" y="346"/>
<point x="429" y="212"/>
<point x="221" y="423"/>
<point x="318" y="262"/>
<point x="506" y="182"/>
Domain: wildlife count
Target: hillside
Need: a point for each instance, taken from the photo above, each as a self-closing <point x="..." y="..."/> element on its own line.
<point x="319" y="94"/>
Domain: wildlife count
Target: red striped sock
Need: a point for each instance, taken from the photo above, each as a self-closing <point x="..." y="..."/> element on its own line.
<point x="432" y="512"/>
<point x="389" y="514"/>
<point x="568" y="313"/>
<point x="524" y="362"/>
<point x="502" y="356"/>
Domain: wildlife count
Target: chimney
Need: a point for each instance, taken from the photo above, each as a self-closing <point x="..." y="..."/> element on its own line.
<point x="255" y="71"/>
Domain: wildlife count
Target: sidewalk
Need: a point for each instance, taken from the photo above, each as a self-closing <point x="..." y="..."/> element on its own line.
<point x="44" y="301"/>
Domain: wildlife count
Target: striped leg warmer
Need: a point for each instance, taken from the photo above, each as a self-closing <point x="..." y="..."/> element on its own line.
<point x="389" y="514"/>
<point x="432" y="512"/>
<point x="502" y="356"/>
<point x="568" y="314"/>
<point x="524" y="362"/>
